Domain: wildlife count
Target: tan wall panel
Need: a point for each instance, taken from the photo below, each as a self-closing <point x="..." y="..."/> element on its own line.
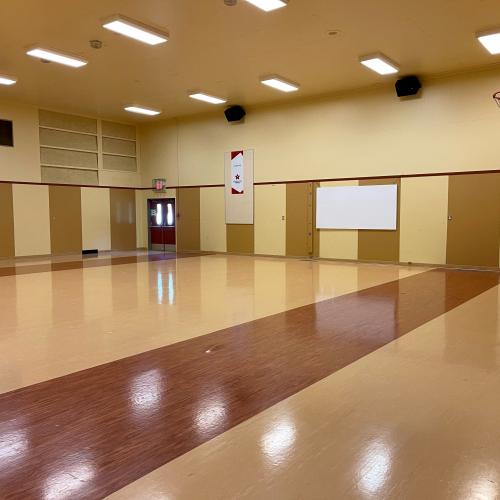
<point x="298" y="218"/>
<point x="188" y="221"/>
<point x="96" y="223"/>
<point x="118" y="146"/>
<point x="65" y="219"/>
<point x="57" y="138"/>
<point x="212" y="219"/>
<point x="31" y="220"/>
<point x="67" y="158"/>
<point x="473" y="232"/>
<point x="270" y="219"/>
<point x="123" y="223"/>
<point x="240" y="238"/>
<point x="121" y="163"/>
<point x="121" y="130"/>
<point x="311" y="223"/>
<point x="7" y="247"/>
<point x="424" y="211"/>
<point x="380" y="245"/>
<point x="67" y="122"/>
<point x="339" y="243"/>
<point x="55" y="175"/>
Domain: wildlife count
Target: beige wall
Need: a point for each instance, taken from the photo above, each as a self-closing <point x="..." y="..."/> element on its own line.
<point x="270" y="223"/>
<point x="424" y="212"/>
<point x="96" y="224"/>
<point x="338" y="243"/>
<point x="212" y="220"/>
<point x="31" y="219"/>
<point x="452" y="127"/>
<point x="22" y="162"/>
<point x="159" y="152"/>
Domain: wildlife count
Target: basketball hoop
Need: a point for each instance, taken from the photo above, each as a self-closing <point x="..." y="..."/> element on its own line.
<point x="496" y="96"/>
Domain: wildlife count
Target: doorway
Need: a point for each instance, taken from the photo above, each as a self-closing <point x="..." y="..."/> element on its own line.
<point x="161" y="224"/>
<point x="473" y="215"/>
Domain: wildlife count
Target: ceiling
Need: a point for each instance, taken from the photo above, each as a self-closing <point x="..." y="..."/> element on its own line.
<point x="224" y="50"/>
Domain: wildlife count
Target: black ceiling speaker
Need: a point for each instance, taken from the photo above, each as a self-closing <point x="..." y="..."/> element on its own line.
<point x="409" y="85"/>
<point x="235" y="114"/>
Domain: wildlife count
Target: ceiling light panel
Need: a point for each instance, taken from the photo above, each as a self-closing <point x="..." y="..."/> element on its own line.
<point x="268" y="5"/>
<point x="380" y="64"/>
<point x="201" y="96"/>
<point x="490" y="41"/>
<point x="57" y="57"/>
<point x="7" y="80"/>
<point x="136" y="30"/>
<point x="279" y="83"/>
<point x="142" y="111"/>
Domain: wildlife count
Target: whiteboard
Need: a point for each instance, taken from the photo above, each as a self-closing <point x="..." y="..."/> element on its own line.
<point x="357" y="207"/>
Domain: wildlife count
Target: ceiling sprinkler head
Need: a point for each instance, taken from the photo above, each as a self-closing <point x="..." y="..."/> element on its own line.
<point x="96" y="44"/>
<point x="230" y="3"/>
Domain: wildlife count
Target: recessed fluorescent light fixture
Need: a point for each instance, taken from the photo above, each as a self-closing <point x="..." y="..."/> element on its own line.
<point x="380" y="64"/>
<point x="201" y="96"/>
<point x="136" y="30"/>
<point x="278" y="83"/>
<point x="490" y="41"/>
<point x="268" y="5"/>
<point x="7" y="80"/>
<point x="142" y="111"/>
<point x="57" y="57"/>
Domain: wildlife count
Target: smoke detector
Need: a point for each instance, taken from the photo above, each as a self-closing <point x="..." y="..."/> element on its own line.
<point x="230" y="3"/>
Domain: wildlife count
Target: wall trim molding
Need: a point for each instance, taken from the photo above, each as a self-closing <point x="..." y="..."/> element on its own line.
<point x="31" y="183"/>
<point x="265" y="183"/>
<point x="361" y="261"/>
<point x="336" y="179"/>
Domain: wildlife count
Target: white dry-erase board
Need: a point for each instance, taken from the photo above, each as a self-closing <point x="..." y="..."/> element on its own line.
<point x="357" y="207"/>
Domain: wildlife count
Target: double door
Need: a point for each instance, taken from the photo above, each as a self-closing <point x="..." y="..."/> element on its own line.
<point x="161" y="221"/>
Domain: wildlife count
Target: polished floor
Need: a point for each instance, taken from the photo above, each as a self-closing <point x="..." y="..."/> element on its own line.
<point x="218" y="377"/>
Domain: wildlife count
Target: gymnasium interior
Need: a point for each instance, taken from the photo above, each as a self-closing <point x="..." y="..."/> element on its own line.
<point x="249" y="249"/>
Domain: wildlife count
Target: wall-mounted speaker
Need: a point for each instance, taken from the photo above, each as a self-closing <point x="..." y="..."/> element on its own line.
<point x="6" y="133"/>
<point x="407" y="86"/>
<point x="235" y="114"/>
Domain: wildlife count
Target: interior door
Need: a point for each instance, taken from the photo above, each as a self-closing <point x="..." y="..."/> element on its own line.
<point x="473" y="220"/>
<point x="161" y="220"/>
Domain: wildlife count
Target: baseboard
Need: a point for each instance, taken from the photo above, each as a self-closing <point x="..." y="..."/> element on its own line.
<point x="361" y="261"/>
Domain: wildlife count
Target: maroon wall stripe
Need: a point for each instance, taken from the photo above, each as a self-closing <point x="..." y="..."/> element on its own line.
<point x="91" y="433"/>
<point x="265" y="183"/>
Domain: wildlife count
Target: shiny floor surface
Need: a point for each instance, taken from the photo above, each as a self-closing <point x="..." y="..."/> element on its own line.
<point x="239" y="377"/>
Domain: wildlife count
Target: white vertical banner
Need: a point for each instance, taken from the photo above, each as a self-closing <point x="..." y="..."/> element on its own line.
<point x="239" y="190"/>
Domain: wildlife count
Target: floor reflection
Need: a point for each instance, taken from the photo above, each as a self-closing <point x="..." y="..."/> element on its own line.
<point x="278" y="442"/>
<point x="374" y="468"/>
<point x="211" y="415"/>
<point x="147" y="390"/>
<point x="69" y="478"/>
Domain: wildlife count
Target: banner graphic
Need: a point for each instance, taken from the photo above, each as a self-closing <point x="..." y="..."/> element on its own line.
<point x="237" y="172"/>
